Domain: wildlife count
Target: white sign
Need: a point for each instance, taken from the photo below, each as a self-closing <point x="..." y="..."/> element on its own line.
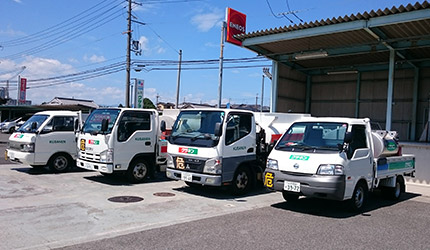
<point x="139" y="94"/>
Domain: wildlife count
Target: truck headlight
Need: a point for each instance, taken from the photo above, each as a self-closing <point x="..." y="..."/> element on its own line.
<point x="107" y="156"/>
<point x="330" y="169"/>
<point x="169" y="161"/>
<point x="27" y="147"/>
<point x="213" y="166"/>
<point x="272" y="164"/>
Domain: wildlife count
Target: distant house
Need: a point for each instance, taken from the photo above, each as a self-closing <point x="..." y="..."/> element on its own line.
<point x="190" y="105"/>
<point x="70" y="104"/>
<point x="165" y="105"/>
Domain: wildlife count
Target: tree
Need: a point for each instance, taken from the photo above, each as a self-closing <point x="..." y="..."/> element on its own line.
<point x="147" y="104"/>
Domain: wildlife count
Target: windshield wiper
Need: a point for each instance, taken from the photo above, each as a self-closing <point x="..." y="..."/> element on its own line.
<point x="205" y="136"/>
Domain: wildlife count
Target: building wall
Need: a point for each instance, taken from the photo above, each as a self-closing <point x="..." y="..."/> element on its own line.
<point x="291" y="90"/>
<point x="336" y="95"/>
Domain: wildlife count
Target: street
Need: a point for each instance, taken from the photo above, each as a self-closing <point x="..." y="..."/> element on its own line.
<point x="42" y="210"/>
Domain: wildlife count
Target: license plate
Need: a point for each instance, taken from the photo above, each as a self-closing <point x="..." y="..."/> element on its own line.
<point x="187" y="177"/>
<point x="292" y="186"/>
<point x="87" y="166"/>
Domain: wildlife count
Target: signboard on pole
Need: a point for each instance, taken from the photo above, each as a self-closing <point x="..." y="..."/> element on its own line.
<point x="236" y="24"/>
<point x="22" y="90"/>
<point x="138" y="94"/>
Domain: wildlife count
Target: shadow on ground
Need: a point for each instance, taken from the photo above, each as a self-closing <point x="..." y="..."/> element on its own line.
<point x="339" y="209"/>
<point x="119" y="179"/>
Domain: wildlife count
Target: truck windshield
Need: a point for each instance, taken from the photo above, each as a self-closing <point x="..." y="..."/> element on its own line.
<point x="93" y="123"/>
<point x="314" y="136"/>
<point x="196" y="128"/>
<point x="38" y="119"/>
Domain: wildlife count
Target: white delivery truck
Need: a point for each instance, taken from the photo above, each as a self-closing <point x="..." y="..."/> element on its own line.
<point x="339" y="159"/>
<point x="222" y="147"/>
<point x="123" y="140"/>
<point x="46" y="138"/>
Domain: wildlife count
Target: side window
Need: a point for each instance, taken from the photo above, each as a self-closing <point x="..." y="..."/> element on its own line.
<point x="238" y="126"/>
<point x="131" y="122"/>
<point x="358" y="139"/>
<point x="61" y="123"/>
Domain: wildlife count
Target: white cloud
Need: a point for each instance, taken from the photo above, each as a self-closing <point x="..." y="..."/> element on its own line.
<point x="161" y="50"/>
<point x="144" y="43"/>
<point x="212" y="45"/>
<point x="207" y="21"/>
<point x="17" y="1"/>
<point x="94" y="58"/>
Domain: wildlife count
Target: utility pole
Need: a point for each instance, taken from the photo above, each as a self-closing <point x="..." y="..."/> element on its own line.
<point x="262" y="95"/>
<point x="221" y="60"/>
<point x="127" y="70"/>
<point x="179" y="78"/>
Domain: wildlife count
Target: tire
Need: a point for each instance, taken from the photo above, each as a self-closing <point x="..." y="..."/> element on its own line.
<point x="359" y="197"/>
<point x="11" y="130"/>
<point x="242" y="181"/>
<point x="289" y="197"/>
<point x="60" y="163"/>
<point x="138" y="170"/>
<point x="394" y="193"/>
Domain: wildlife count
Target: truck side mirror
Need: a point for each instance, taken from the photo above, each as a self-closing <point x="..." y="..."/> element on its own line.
<point x="33" y="125"/>
<point x="348" y="137"/>
<point x="105" y="124"/>
<point x="218" y="129"/>
<point x="163" y="126"/>
<point x="77" y="125"/>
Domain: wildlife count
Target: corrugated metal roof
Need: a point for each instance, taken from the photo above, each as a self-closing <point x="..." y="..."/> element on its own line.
<point x="365" y="16"/>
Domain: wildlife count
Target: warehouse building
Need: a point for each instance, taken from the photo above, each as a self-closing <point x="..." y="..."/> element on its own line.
<point x="375" y="64"/>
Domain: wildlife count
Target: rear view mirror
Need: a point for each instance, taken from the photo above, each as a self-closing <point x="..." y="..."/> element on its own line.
<point x="105" y="124"/>
<point x="218" y="129"/>
<point x="348" y="137"/>
<point x="163" y="126"/>
<point x="33" y="126"/>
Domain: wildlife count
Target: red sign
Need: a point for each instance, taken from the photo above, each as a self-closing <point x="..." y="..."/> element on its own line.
<point x="236" y="24"/>
<point x="22" y="90"/>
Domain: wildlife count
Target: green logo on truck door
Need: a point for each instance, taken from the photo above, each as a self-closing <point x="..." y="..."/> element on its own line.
<point x="299" y="157"/>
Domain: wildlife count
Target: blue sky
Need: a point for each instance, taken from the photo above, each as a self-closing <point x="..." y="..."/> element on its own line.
<point x="192" y="26"/>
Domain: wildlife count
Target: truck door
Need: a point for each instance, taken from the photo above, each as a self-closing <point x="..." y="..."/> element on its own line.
<point x="135" y="134"/>
<point x="360" y="160"/>
<point x="56" y="136"/>
<point x="239" y="144"/>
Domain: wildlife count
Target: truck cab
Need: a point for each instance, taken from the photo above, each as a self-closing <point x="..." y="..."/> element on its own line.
<point x="46" y="138"/>
<point x="221" y="147"/>
<point x="332" y="158"/>
<point x="120" y="140"/>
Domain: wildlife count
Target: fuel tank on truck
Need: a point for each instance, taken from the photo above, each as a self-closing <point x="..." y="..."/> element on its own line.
<point x="384" y="143"/>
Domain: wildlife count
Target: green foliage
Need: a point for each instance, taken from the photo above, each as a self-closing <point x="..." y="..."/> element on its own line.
<point x="147" y="104"/>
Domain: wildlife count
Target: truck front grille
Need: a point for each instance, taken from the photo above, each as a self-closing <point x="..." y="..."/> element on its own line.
<point x="89" y="156"/>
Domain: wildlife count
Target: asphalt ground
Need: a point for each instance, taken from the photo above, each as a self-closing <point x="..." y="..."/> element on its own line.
<point x="42" y="210"/>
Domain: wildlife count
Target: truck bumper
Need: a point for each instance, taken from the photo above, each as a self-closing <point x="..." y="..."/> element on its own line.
<point x="203" y="179"/>
<point x="22" y="157"/>
<point x="95" y="166"/>
<point x="320" y="186"/>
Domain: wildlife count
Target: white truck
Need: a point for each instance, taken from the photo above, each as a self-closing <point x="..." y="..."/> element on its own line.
<point x="339" y="159"/>
<point x="222" y="147"/>
<point x="46" y="138"/>
<point x="123" y="140"/>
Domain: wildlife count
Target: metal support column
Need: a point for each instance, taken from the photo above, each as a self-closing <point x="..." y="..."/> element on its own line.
<point x="388" y="118"/>
<point x="357" y="95"/>
<point x="308" y="94"/>
<point x="415" y="104"/>
<point x="221" y="60"/>
<point x="274" y="92"/>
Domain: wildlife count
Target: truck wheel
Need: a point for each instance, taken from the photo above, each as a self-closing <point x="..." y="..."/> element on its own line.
<point x="11" y="130"/>
<point x="359" y="197"/>
<point x="394" y="193"/>
<point x="137" y="171"/>
<point x="59" y="163"/>
<point x="289" y="197"/>
<point x="242" y="181"/>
